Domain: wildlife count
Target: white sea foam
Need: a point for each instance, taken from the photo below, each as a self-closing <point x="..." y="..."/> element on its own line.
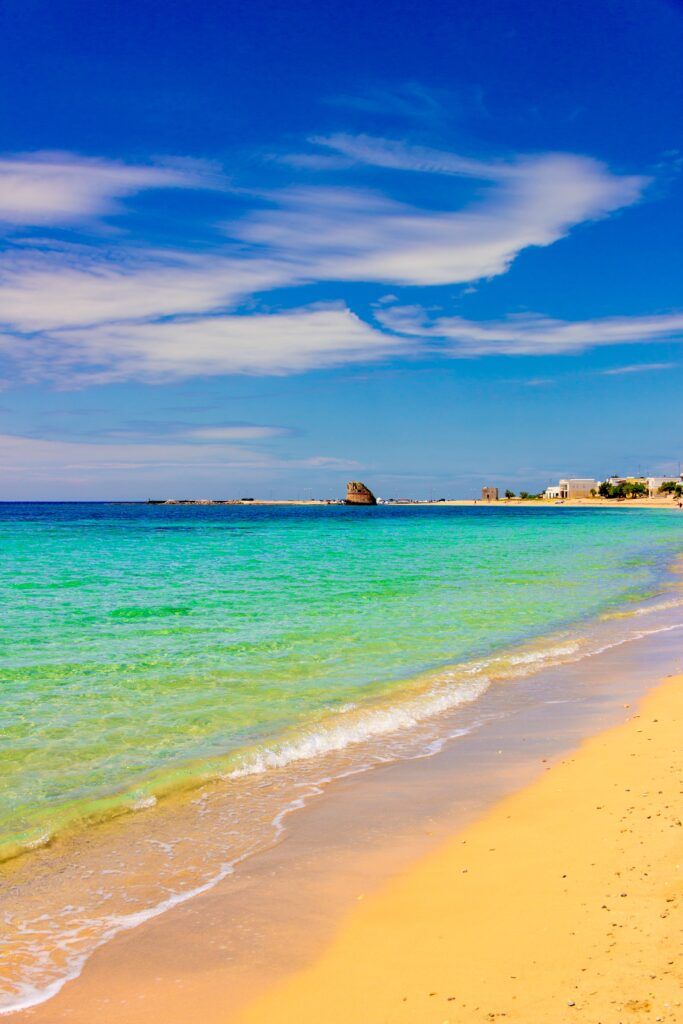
<point x="143" y="803"/>
<point x="39" y="841"/>
<point x="28" y="995"/>
<point x="359" y="728"/>
<point x="552" y="653"/>
<point x="351" y="726"/>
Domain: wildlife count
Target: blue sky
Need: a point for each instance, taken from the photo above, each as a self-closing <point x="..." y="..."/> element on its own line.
<point x="262" y="249"/>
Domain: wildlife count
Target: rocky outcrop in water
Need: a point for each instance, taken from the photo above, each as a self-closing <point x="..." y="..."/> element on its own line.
<point x="358" y="494"/>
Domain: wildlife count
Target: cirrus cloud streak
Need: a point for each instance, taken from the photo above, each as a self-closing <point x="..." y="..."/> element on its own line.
<point x="292" y="341"/>
<point x="529" y="334"/>
<point x="351" y="234"/>
<point x="48" y="188"/>
<point x="96" y="312"/>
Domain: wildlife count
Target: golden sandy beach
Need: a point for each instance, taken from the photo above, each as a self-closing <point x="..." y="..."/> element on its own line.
<point x="562" y="904"/>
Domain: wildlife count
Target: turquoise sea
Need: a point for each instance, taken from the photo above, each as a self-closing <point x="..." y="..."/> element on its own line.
<point x="150" y="649"/>
<point x="143" y="645"/>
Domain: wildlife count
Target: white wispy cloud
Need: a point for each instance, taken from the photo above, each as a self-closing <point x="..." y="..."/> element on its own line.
<point x="103" y="312"/>
<point x="351" y="234"/>
<point x="292" y="341"/>
<point x="62" y="188"/>
<point x="399" y="156"/>
<point x="530" y="334"/>
<point x="236" y="432"/>
<point x="70" y="288"/>
<point x="31" y="458"/>
<point x="22" y="454"/>
<point x="618" y="371"/>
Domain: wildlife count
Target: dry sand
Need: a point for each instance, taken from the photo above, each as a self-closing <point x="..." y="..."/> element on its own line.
<point x="563" y="904"/>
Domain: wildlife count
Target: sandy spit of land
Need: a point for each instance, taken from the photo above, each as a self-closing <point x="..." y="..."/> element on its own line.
<point x="503" y="503"/>
<point x="563" y="904"/>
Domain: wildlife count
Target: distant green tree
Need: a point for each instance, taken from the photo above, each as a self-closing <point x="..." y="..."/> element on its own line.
<point x="509" y="493"/>
<point x="524" y="495"/>
<point x="636" y="489"/>
<point x="593" y="492"/>
<point x="624" y="489"/>
<point x="669" y="487"/>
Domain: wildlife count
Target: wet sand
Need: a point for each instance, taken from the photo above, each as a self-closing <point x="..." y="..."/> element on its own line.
<point x="562" y="904"/>
<point x="215" y="957"/>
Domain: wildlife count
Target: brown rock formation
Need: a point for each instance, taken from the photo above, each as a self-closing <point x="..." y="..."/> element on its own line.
<point x="359" y="494"/>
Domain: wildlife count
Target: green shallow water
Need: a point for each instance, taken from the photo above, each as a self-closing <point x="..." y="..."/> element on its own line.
<point x="141" y="647"/>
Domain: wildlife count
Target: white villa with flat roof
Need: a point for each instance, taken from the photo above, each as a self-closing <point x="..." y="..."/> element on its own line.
<point x="572" y="487"/>
<point x="581" y="487"/>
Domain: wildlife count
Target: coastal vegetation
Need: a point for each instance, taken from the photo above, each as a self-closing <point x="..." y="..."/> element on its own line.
<point x="623" y="489"/>
<point x="671" y="487"/>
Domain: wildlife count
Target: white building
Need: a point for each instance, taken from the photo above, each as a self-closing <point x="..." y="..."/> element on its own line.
<point x="581" y="487"/>
<point x="655" y="482"/>
<point x="572" y="487"/>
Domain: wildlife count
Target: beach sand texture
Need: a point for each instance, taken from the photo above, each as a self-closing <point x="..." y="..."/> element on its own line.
<point x="562" y="904"/>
